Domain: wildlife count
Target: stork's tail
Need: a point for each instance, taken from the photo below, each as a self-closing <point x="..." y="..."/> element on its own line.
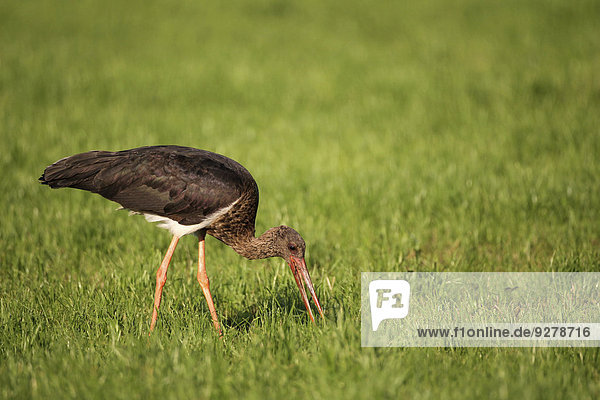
<point x="77" y="171"/>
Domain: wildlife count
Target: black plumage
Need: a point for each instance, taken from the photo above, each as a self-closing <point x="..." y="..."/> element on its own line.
<point x="181" y="183"/>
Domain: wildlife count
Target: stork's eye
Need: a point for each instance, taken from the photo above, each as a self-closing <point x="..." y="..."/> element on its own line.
<point x="292" y="247"/>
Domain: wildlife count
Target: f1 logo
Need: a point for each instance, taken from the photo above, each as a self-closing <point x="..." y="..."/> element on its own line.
<point x="389" y="299"/>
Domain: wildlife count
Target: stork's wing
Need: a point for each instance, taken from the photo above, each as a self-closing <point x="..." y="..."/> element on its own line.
<point x="181" y="183"/>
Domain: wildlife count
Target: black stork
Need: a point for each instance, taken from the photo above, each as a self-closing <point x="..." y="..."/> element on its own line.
<point x="187" y="191"/>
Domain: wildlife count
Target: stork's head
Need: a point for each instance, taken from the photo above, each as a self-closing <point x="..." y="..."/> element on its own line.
<point x="289" y="245"/>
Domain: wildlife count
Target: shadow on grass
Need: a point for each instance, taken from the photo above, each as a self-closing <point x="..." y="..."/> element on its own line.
<point x="281" y="303"/>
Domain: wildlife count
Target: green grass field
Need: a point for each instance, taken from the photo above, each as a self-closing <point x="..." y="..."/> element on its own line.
<point x="394" y="136"/>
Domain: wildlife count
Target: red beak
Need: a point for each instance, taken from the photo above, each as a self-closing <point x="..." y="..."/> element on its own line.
<point x="298" y="267"/>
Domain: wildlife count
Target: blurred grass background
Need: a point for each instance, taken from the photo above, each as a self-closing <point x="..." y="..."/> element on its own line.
<point x="395" y="136"/>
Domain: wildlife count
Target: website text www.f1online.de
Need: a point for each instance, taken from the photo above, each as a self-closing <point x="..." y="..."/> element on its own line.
<point x="542" y="331"/>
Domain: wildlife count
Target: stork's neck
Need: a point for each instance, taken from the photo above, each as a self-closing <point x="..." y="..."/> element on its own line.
<point x="257" y="247"/>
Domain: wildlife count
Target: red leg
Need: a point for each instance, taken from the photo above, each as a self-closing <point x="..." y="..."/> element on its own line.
<point x="204" y="284"/>
<point x="161" y="278"/>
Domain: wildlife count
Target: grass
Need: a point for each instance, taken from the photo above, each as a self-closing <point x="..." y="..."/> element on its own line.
<point x="430" y="136"/>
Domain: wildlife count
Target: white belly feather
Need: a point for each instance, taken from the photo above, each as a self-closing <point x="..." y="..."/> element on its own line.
<point x="180" y="230"/>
